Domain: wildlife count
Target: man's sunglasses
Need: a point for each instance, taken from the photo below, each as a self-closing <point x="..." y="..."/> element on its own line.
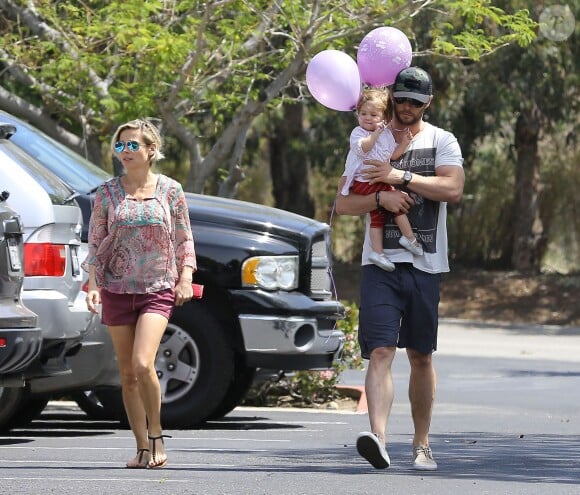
<point x="131" y="146"/>
<point x="412" y="101"/>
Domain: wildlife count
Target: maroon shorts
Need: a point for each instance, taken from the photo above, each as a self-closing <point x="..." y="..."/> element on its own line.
<point x="125" y="309"/>
<point x="380" y="216"/>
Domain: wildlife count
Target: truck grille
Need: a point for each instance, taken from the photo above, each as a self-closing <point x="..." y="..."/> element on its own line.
<point x="320" y="279"/>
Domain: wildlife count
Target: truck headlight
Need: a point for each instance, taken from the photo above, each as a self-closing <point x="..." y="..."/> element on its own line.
<point x="271" y="272"/>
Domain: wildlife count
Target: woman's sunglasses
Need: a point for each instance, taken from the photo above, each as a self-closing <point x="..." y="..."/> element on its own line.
<point x="412" y="101"/>
<point x="131" y="146"/>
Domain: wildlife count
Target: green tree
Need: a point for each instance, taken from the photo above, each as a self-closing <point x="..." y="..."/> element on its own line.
<point x="208" y="69"/>
<point x="518" y="107"/>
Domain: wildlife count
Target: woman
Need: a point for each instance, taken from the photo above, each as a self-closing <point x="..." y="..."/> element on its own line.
<point x="140" y="263"/>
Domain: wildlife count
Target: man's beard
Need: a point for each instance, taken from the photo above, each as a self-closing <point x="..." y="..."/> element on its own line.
<point x="408" y="120"/>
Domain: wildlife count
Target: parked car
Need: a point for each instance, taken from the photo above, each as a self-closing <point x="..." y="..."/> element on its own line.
<point x="80" y="175"/>
<point x="20" y="335"/>
<point x="268" y="300"/>
<point x="52" y="284"/>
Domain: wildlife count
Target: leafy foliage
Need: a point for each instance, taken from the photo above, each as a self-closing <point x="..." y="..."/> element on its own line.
<point x="217" y="73"/>
<point x="462" y="29"/>
<point x="209" y="69"/>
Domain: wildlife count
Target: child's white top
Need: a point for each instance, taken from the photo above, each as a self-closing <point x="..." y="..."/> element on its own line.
<point x="354" y="166"/>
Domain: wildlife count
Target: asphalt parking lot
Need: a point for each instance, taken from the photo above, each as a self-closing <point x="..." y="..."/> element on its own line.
<point x="505" y="422"/>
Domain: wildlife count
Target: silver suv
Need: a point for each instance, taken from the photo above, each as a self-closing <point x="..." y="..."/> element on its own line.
<point x="20" y="336"/>
<point x="52" y="288"/>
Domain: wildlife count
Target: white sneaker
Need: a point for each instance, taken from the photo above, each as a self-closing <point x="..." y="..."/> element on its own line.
<point x="423" y="459"/>
<point x="371" y="448"/>
<point x="412" y="246"/>
<point x="382" y="261"/>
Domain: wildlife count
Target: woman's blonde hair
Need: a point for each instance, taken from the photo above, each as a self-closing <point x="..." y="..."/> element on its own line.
<point x="149" y="132"/>
<point x="379" y="98"/>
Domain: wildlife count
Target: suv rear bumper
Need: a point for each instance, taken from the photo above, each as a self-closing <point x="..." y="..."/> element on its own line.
<point x="58" y="319"/>
<point x="63" y="328"/>
<point x="94" y="365"/>
<point x="22" y="347"/>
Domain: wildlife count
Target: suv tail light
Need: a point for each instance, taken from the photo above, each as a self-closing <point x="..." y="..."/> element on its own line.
<point x="48" y="260"/>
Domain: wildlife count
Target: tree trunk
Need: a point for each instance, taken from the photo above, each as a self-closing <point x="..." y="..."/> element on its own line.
<point x="288" y="163"/>
<point x="529" y="236"/>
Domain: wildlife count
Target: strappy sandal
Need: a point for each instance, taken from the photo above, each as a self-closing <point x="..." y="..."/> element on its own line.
<point x="153" y="462"/>
<point x="139" y="462"/>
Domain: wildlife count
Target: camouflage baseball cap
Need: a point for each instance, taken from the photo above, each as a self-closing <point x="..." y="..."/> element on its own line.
<point x="413" y="82"/>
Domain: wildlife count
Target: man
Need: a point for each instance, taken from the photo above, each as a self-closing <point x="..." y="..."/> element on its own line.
<point x="400" y="308"/>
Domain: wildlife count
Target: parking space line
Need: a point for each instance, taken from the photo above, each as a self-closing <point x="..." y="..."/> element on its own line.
<point x="84" y="480"/>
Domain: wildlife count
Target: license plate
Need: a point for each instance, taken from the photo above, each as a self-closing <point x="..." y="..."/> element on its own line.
<point x="14" y="254"/>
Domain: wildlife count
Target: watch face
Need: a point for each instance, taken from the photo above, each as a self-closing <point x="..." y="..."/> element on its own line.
<point x="407" y="175"/>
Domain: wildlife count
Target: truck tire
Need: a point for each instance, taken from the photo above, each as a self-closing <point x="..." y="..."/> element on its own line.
<point x="195" y="365"/>
<point x="242" y="381"/>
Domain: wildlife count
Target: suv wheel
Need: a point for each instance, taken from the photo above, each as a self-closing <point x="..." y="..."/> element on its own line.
<point x="18" y="407"/>
<point x="90" y="404"/>
<point x="102" y="404"/>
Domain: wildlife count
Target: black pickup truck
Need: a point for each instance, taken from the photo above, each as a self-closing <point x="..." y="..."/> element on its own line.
<point x="267" y="304"/>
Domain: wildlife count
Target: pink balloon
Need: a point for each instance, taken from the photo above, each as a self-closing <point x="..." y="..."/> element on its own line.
<point x="382" y="54"/>
<point x="333" y="79"/>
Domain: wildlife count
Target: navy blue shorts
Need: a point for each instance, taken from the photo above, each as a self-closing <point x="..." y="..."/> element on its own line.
<point x="398" y="308"/>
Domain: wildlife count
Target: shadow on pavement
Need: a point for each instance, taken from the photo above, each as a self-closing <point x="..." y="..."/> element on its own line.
<point x="247" y="423"/>
<point x="471" y="456"/>
<point x="73" y="423"/>
<point x="523" y="458"/>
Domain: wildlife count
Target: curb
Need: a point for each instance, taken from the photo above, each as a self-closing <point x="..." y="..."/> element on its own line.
<point x="355" y="392"/>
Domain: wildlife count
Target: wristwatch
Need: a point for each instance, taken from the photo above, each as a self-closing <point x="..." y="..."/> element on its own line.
<point x="407" y="176"/>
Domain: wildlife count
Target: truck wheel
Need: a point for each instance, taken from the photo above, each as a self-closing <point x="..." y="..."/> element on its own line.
<point x="195" y="365"/>
<point x="243" y="379"/>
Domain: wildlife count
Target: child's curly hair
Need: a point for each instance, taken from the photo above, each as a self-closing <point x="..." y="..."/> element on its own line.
<point x="379" y="98"/>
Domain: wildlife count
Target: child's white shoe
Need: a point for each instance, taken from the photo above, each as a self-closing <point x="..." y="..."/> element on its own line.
<point x="382" y="261"/>
<point x="412" y="246"/>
